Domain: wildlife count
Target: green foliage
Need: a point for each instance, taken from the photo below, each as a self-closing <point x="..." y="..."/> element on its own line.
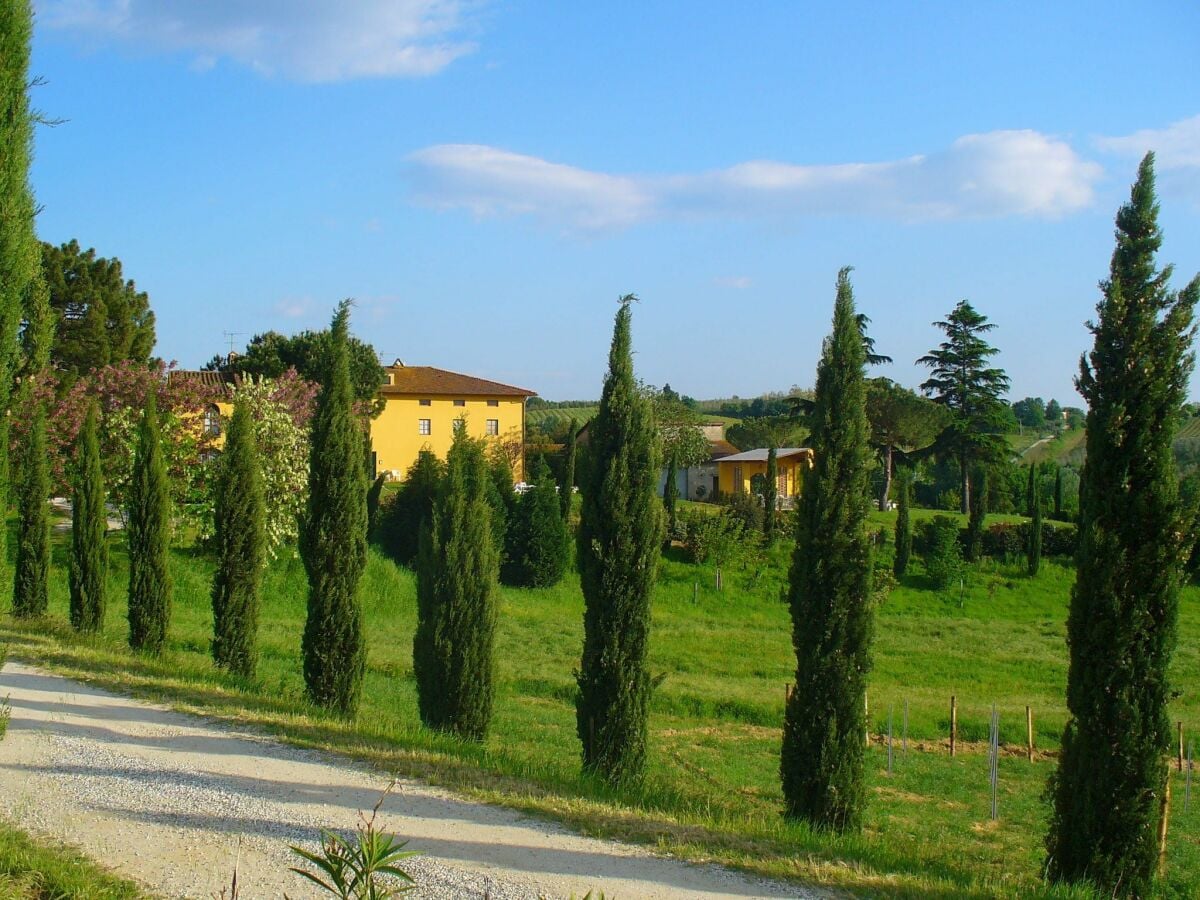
<point x="240" y="547"/>
<point x="89" y="531"/>
<point x="904" y="537"/>
<point x="30" y="583"/>
<point x="620" y="533"/>
<point x="402" y="516"/>
<point x="1058" y="493"/>
<point x="1108" y="791"/>
<point x="784" y="430"/>
<point x="541" y="533"/>
<point x="502" y="501"/>
<point x="458" y="570"/>
<point x="374" y="494"/>
<point x="1030" y="412"/>
<point x="99" y="317"/>
<point x="942" y="552"/>
<point x="770" y="495"/>
<point x="1034" y="545"/>
<point x="961" y="381"/>
<point x="712" y="538"/>
<point x="567" y="489"/>
<point x="148" y="532"/>
<point x="901" y="422"/>
<point x="975" y="522"/>
<point x="671" y="498"/>
<point x="829" y="593"/>
<point x="360" y="869"/>
<point x="333" y="537"/>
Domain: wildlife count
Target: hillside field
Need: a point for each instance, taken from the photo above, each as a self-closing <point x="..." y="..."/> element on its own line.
<point x="712" y="791"/>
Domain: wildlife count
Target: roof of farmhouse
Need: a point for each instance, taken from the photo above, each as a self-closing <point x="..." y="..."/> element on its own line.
<point x="760" y="455"/>
<point x="427" y="380"/>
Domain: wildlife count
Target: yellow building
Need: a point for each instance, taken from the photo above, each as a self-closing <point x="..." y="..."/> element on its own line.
<point x="734" y="473"/>
<point x="423" y="406"/>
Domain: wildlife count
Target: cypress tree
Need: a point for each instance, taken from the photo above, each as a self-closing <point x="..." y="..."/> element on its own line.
<point x="89" y="531"/>
<point x="903" y="527"/>
<point x="32" y="579"/>
<point x="502" y="501"/>
<point x="829" y="592"/>
<point x="333" y="537"/>
<point x="1121" y="629"/>
<point x="1034" y="546"/>
<point x="975" y="520"/>
<point x="402" y="519"/>
<point x="19" y="249"/>
<point x="374" y="495"/>
<point x="671" y="497"/>
<point x="620" y="532"/>
<point x="770" y="493"/>
<point x="543" y="552"/>
<point x="149" y="527"/>
<point x="1030" y="489"/>
<point x="1058" y="494"/>
<point x="458" y="569"/>
<point x="568" y="486"/>
<point x="240" y="516"/>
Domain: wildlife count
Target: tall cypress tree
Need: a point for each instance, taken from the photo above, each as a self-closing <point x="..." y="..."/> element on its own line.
<point x="1058" y="494"/>
<point x="620" y="532"/>
<point x="333" y="537"/>
<point x="542" y="556"/>
<point x="89" y="531"/>
<point x="148" y="531"/>
<point x="770" y="493"/>
<point x="671" y="496"/>
<point x="458" y="568"/>
<point x="567" y="488"/>
<point x="903" y="526"/>
<point x="975" y="522"/>
<point x="829" y="592"/>
<point x="1034" y="548"/>
<point x="240" y="516"/>
<point x="1109" y="788"/>
<point x="1030" y="489"/>
<point x="31" y="583"/>
<point x="19" y="249"/>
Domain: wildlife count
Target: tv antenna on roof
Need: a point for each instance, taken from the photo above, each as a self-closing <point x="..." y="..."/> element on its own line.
<point x="230" y="335"/>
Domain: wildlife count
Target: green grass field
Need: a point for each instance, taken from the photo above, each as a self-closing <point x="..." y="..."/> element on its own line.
<point x="712" y="790"/>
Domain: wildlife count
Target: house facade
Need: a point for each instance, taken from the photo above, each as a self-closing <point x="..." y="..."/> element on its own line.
<point x="423" y="406"/>
<point x="735" y="473"/>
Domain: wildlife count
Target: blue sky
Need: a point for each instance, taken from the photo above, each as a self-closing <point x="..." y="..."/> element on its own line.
<point x="487" y="178"/>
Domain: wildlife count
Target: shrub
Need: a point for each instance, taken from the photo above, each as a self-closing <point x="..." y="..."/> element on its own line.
<point x="943" y="553"/>
<point x="711" y="537"/>
<point x="747" y="509"/>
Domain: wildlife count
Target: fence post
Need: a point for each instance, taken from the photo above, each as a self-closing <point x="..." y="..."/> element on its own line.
<point x="1029" y="731"/>
<point x="1180" y="746"/>
<point x="867" y="720"/>
<point x="953" y="722"/>
<point x="1162" y="828"/>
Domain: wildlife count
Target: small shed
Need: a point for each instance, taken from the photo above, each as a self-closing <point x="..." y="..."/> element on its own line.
<point x="735" y="473"/>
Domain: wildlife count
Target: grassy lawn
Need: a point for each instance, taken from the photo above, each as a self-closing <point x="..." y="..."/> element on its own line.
<point x="36" y="870"/>
<point x="712" y="791"/>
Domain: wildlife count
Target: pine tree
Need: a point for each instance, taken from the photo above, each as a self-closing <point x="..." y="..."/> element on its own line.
<point x="1058" y="494"/>
<point x="1121" y="629"/>
<point x="620" y="532"/>
<point x="240" y="540"/>
<point x="89" y="531"/>
<point x="567" y="488"/>
<point x="903" y="527"/>
<point x="961" y="381"/>
<point x="333" y="537"/>
<point x="1034" y="548"/>
<point x="149" y="528"/>
<point x="829" y="593"/>
<point x="458" y="569"/>
<point x="671" y="497"/>
<point x="543" y="551"/>
<point x="975" y="522"/>
<point x="19" y="250"/>
<point x="770" y="493"/>
<point x="32" y="579"/>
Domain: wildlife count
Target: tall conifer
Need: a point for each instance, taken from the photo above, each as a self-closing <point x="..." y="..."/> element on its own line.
<point x="770" y="493"/>
<point x="829" y="592"/>
<point x="542" y="555"/>
<point x="567" y="489"/>
<point x="240" y="517"/>
<point x="32" y="580"/>
<point x="458" y="567"/>
<point x="1109" y="788"/>
<point x="1034" y="549"/>
<point x="148" y="531"/>
<point x="333" y="537"/>
<point x="975" y="521"/>
<point x="903" y="526"/>
<point x="89" y="531"/>
<point x="620" y="532"/>
<point x="1058" y="494"/>
<point x="1030" y="489"/>
<point x="671" y="496"/>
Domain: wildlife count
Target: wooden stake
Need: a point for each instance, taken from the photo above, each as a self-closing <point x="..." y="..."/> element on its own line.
<point x="1162" y="828"/>
<point x="787" y="695"/>
<point x="1180" y="746"/>
<point x="953" y="722"/>
<point x="867" y="719"/>
<point x="1029" y="731"/>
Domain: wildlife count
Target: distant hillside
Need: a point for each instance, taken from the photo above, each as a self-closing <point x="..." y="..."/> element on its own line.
<point x="543" y="419"/>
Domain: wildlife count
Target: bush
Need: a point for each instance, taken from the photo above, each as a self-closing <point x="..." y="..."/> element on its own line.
<point x="943" y="552"/>
<point x="745" y="508"/>
<point x="708" y="537"/>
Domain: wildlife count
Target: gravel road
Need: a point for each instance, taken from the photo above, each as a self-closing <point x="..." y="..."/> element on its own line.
<point x="174" y="801"/>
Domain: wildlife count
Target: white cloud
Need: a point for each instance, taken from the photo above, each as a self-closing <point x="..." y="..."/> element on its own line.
<point x="1001" y="173"/>
<point x="735" y="282"/>
<point x="1175" y="147"/>
<point x="294" y="307"/>
<point x="306" y="40"/>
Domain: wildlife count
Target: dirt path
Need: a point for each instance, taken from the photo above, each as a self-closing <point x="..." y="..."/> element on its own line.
<point x="172" y="801"/>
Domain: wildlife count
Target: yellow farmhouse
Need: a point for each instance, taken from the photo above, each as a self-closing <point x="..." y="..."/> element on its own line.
<point x="423" y="406"/>
<point x="735" y="472"/>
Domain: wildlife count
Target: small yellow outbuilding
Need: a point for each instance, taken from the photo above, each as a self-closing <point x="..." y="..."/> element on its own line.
<point x="734" y="473"/>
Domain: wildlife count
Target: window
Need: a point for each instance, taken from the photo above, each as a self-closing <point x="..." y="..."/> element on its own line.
<point x="739" y="483"/>
<point x="459" y="425"/>
<point x="493" y="403"/>
<point x="424" y="402"/>
<point x="424" y="426"/>
<point x="493" y="426"/>
<point x="212" y="422"/>
<point x="460" y="402"/>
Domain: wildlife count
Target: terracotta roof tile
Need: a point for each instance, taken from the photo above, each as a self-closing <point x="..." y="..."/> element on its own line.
<point x="211" y="379"/>
<point x="408" y="380"/>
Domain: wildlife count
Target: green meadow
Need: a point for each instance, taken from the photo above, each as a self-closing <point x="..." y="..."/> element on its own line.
<point x="712" y="790"/>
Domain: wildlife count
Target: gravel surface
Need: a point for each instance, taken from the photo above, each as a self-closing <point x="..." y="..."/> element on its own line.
<point x="176" y="802"/>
